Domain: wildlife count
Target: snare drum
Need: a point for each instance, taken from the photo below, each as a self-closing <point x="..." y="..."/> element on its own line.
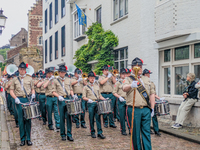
<point x="162" y="108"/>
<point x="74" y="107"/>
<point x="104" y="107"/>
<point x="31" y="110"/>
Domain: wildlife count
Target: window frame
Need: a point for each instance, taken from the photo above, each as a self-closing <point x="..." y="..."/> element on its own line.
<point x="46" y="53"/>
<point x="97" y="16"/>
<point x="63" y="11"/>
<point x="116" y="8"/>
<point x="40" y="38"/>
<point x="56" y="45"/>
<point x="50" y="48"/>
<point x="63" y="51"/>
<point x="56" y="12"/>
<point x="50" y="15"/>
<point x="46" y="20"/>
<point x="125" y="60"/>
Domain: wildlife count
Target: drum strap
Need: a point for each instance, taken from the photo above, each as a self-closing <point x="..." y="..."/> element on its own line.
<point x="143" y="92"/>
<point x="23" y="89"/>
<point x="92" y="91"/>
<point x="120" y="81"/>
<point x="64" y="87"/>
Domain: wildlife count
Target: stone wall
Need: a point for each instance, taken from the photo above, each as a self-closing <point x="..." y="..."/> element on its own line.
<point x="11" y="53"/>
<point x="32" y="56"/>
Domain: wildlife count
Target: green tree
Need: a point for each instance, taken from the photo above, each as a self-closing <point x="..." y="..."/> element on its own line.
<point x="3" y="52"/>
<point x="99" y="48"/>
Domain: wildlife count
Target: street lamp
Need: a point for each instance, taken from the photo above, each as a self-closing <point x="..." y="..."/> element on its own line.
<point x="2" y="21"/>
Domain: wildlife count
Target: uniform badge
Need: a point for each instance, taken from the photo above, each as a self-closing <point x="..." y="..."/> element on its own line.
<point x="144" y="94"/>
<point x="115" y="85"/>
<point x="124" y="81"/>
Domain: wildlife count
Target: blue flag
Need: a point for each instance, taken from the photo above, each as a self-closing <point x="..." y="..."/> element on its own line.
<point x="82" y="18"/>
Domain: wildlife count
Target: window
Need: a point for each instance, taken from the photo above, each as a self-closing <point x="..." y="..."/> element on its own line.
<point x="62" y="8"/>
<point x="121" y="58"/>
<point x="180" y="79"/>
<point x="167" y="55"/>
<point x="40" y="24"/>
<point x="50" y="48"/>
<point x="197" y="50"/>
<point x="98" y="17"/>
<point x="167" y="81"/>
<point x="78" y="29"/>
<point x="56" y="11"/>
<point x="197" y="72"/>
<point x="46" y="21"/>
<point x="63" y="41"/>
<point x="182" y="53"/>
<point x="45" y="51"/>
<point x="50" y="16"/>
<point x="56" y="45"/>
<point x="40" y="41"/>
<point x="120" y="8"/>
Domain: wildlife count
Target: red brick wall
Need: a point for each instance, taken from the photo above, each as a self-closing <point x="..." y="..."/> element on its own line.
<point x="15" y="51"/>
<point x="35" y="30"/>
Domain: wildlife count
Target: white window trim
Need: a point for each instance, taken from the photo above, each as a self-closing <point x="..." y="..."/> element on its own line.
<point x="95" y="17"/>
<point x="113" y="13"/>
<point x="39" y="40"/>
<point x="125" y="59"/>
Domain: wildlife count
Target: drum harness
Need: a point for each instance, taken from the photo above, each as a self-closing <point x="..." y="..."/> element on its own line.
<point x="92" y="91"/>
<point x="143" y="92"/>
<point x="28" y="97"/>
<point x="64" y="88"/>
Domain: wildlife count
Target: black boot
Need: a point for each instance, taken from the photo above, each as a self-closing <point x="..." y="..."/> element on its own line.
<point x="101" y="136"/>
<point x="93" y="136"/>
<point x="22" y="143"/>
<point x="113" y="126"/>
<point x="157" y="133"/>
<point x="77" y="126"/>
<point x="44" y="123"/>
<point x="70" y="138"/>
<point x="51" y="128"/>
<point x="151" y="132"/>
<point x="64" y="138"/>
<point x="83" y="126"/>
<point x="29" y="143"/>
<point x="124" y="133"/>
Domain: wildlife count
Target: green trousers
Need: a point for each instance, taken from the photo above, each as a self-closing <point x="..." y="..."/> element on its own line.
<point x="42" y="100"/>
<point x="111" y="115"/>
<point x="10" y="108"/>
<point x="92" y="108"/>
<point x="155" y="123"/>
<point x="122" y="115"/>
<point x="51" y="105"/>
<point x="64" y="115"/>
<point x="15" y="110"/>
<point x="141" y="125"/>
<point x="24" y="125"/>
<point x="37" y="96"/>
<point x="82" y="115"/>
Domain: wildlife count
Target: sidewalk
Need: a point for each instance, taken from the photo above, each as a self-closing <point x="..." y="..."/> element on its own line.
<point x="188" y="133"/>
<point x="4" y="139"/>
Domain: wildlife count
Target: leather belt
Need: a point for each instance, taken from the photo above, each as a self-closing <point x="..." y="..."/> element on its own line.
<point x="22" y="96"/>
<point x="140" y="107"/>
<point x="42" y="93"/>
<point x="106" y="92"/>
<point x="78" y="94"/>
<point x="50" y="96"/>
<point x="65" y="96"/>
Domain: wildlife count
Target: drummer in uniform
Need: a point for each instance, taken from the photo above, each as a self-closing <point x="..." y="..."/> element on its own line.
<point x="22" y="87"/>
<point x="33" y="76"/>
<point x="121" y="95"/>
<point x="142" y="108"/>
<point x="106" y="82"/>
<point x="37" y="90"/>
<point x="62" y="90"/>
<point x="147" y="73"/>
<point x="51" y="100"/>
<point x="42" y="98"/>
<point x="77" y="85"/>
<point x="91" y="94"/>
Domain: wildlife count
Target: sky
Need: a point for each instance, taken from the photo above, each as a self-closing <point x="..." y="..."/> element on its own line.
<point x="16" y="11"/>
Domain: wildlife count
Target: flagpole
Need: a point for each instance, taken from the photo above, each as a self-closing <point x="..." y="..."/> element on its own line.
<point x="84" y="13"/>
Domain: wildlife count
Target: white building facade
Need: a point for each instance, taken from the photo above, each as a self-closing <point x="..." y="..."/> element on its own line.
<point x="164" y="33"/>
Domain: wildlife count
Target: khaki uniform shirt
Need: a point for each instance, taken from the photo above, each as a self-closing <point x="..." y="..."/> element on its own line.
<point x="106" y="87"/>
<point x="78" y="87"/>
<point x="42" y="89"/>
<point x="139" y="101"/>
<point x="66" y="84"/>
<point x="50" y="87"/>
<point x="36" y="88"/>
<point x="87" y="92"/>
<point x="118" y="89"/>
<point x="27" y="84"/>
<point x="153" y="86"/>
<point x="6" y="86"/>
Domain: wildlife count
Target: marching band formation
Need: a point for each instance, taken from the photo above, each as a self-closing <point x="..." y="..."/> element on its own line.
<point x="126" y="96"/>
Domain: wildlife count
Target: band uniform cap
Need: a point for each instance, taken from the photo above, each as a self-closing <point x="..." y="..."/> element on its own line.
<point x="66" y="75"/>
<point x="33" y="75"/>
<point x="128" y="70"/>
<point x="137" y="61"/>
<point x="51" y="69"/>
<point x="22" y="65"/>
<point x="47" y="70"/>
<point x="146" y="71"/>
<point x="62" y="68"/>
<point x="105" y="67"/>
<point x="91" y="74"/>
<point x="122" y="70"/>
<point x="9" y="76"/>
<point x="78" y="71"/>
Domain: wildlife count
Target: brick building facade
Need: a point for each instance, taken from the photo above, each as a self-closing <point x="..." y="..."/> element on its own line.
<point x="35" y="23"/>
<point x="19" y="38"/>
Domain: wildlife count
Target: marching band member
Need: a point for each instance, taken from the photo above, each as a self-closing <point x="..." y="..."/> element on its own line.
<point x="147" y="73"/>
<point x="91" y="94"/>
<point x="51" y="103"/>
<point x="77" y="85"/>
<point x="62" y="90"/>
<point x="42" y="98"/>
<point x="106" y="82"/>
<point x="121" y="95"/>
<point x="142" y="109"/>
<point x="37" y="90"/>
<point x="22" y="87"/>
<point x="7" y="88"/>
<point x="128" y="73"/>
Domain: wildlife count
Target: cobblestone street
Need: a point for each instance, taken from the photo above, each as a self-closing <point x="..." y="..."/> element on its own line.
<point x="43" y="138"/>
